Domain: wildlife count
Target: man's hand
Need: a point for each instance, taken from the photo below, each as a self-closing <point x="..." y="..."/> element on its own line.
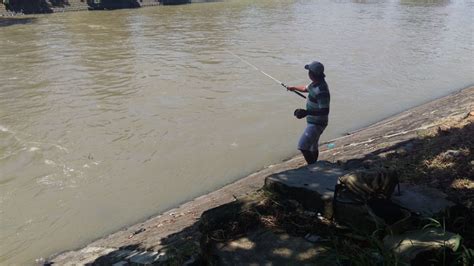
<point x="297" y="88"/>
<point x="300" y="113"/>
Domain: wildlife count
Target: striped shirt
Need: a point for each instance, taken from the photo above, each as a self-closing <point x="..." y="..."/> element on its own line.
<point x="317" y="104"/>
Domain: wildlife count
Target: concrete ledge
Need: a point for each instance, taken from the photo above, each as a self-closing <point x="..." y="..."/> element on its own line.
<point x="313" y="186"/>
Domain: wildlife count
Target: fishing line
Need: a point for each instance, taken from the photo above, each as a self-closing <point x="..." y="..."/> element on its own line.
<point x="263" y="72"/>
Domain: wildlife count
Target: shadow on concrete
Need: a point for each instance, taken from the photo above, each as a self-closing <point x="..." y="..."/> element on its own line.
<point x="268" y="228"/>
<point x="5" y="22"/>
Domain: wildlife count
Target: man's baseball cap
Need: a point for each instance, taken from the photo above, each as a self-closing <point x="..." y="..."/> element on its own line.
<point x="315" y="67"/>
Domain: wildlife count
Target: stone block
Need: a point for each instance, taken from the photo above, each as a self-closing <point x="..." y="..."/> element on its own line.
<point x="312" y="186"/>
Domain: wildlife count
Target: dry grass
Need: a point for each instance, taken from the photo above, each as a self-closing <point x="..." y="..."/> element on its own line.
<point x="442" y="158"/>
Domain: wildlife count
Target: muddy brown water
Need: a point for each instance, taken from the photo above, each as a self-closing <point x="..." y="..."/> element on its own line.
<point x="107" y="118"/>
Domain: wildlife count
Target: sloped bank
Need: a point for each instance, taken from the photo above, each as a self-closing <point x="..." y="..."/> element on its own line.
<point x="178" y="236"/>
<point x="15" y="7"/>
<point x="12" y="7"/>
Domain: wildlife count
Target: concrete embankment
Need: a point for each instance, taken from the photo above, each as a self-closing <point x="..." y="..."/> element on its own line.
<point x="150" y="241"/>
<point x="44" y="7"/>
<point x="50" y="6"/>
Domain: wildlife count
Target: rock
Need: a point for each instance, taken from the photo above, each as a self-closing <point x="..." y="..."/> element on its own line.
<point x="450" y="154"/>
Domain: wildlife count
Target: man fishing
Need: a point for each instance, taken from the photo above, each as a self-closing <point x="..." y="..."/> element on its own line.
<point x="316" y="113"/>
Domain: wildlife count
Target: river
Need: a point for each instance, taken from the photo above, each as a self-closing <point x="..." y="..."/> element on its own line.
<point x="110" y="117"/>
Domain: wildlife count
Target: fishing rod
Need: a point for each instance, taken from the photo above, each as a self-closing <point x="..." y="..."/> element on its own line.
<point x="266" y="74"/>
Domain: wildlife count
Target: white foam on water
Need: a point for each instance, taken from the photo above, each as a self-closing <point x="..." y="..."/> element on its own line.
<point x="49" y="162"/>
<point x="52" y="144"/>
<point x="3" y="129"/>
<point x="49" y="180"/>
<point x="96" y="27"/>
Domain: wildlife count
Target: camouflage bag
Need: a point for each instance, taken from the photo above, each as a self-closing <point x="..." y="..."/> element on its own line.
<point x="362" y="201"/>
<point x="372" y="183"/>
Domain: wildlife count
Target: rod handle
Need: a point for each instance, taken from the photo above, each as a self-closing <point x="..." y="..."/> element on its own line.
<point x="301" y="95"/>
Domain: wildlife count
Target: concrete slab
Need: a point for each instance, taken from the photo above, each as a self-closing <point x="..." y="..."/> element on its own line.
<point x="264" y="247"/>
<point x="423" y="200"/>
<point x="312" y="186"/>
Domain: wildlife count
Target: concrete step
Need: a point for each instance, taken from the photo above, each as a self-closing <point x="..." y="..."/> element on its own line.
<point x="312" y="186"/>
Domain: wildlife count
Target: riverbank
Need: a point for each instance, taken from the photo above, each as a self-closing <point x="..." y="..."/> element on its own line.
<point x="45" y="7"/>
<point x="49" y="6"/>
<point x="161" y="237"/>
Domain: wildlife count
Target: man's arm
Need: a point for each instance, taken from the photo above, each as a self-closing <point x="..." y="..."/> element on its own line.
<point x="298" y="88"/>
